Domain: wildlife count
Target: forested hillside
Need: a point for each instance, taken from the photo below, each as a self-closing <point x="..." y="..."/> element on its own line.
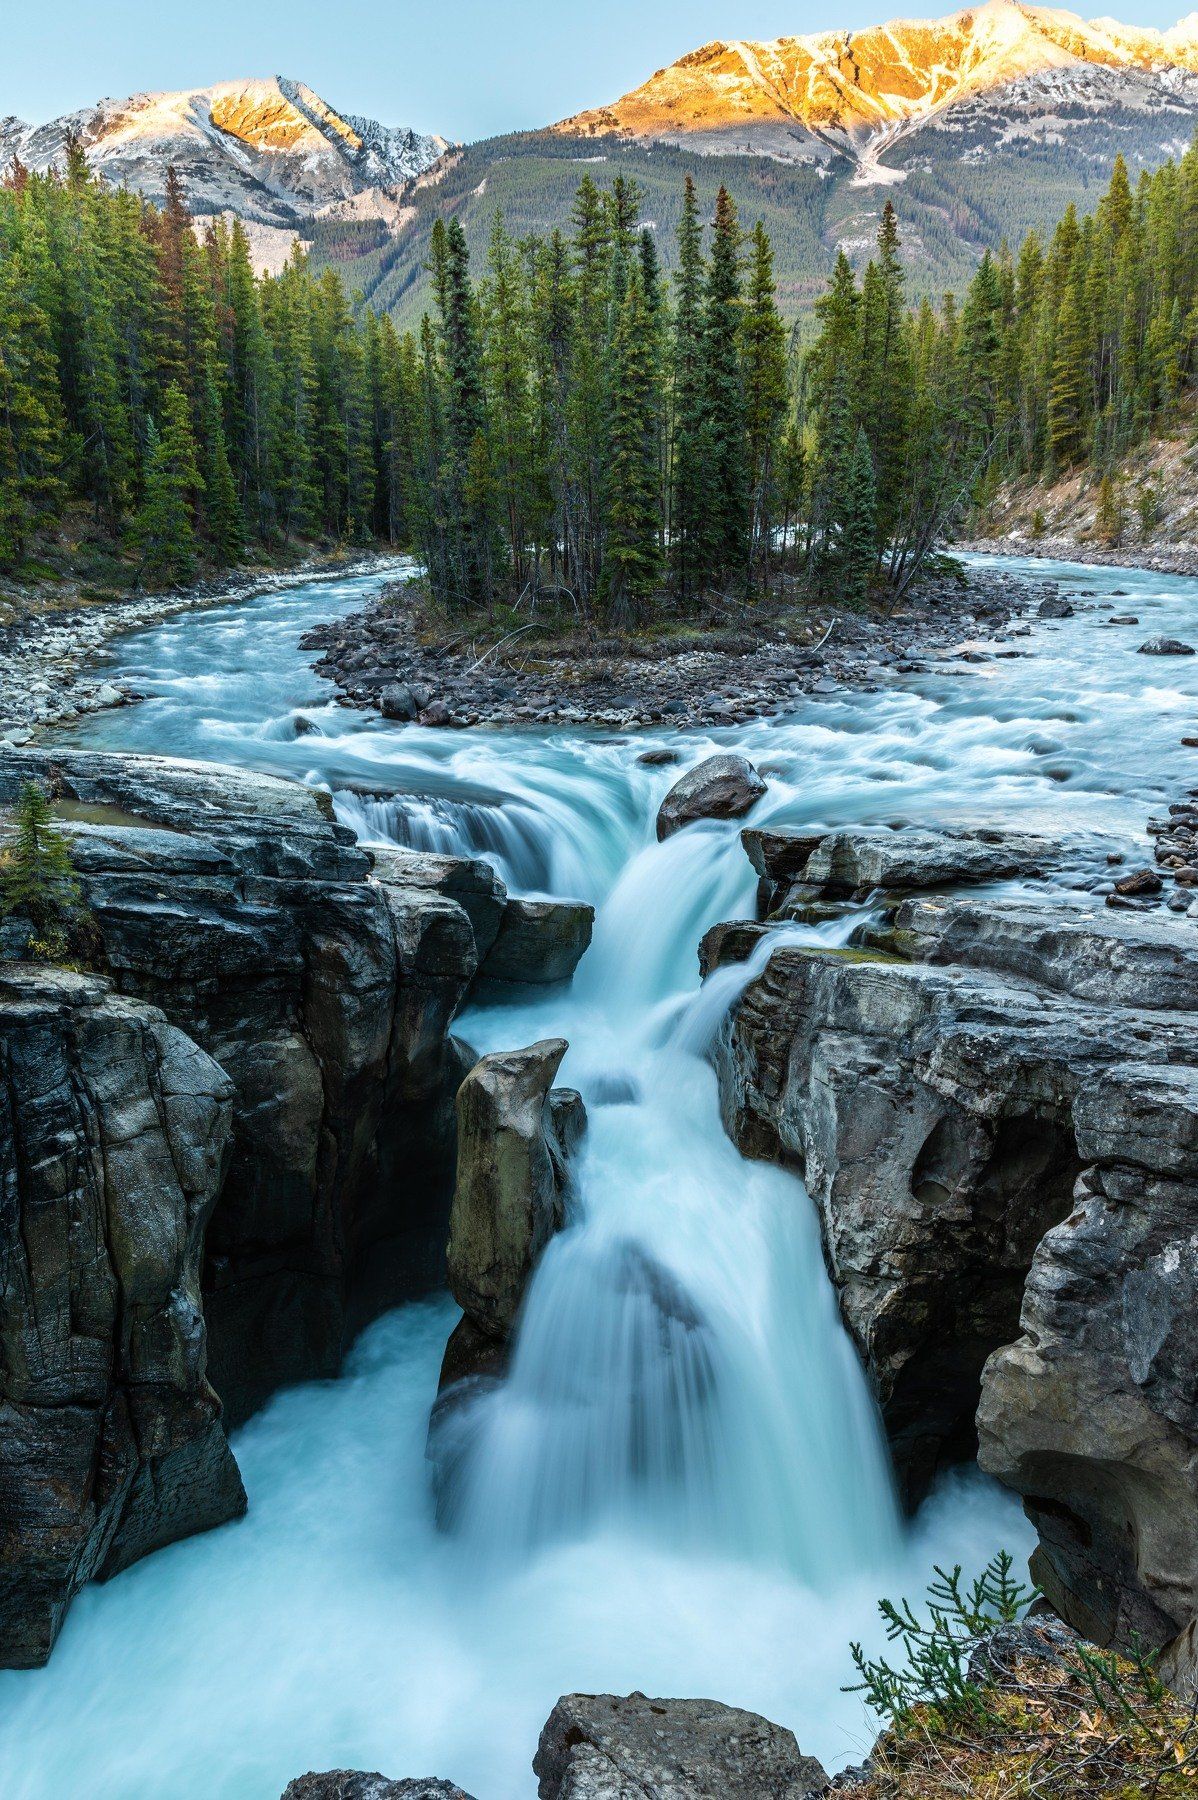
<point x="949" y="209"/>
<point x="161" y="399"/>
<point x="573" y="421"/>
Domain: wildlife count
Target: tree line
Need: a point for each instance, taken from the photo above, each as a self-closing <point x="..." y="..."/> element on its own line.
<point x="150" y="377"/>
<point x="570" y="425"/>
<point x="1085" y="344"/>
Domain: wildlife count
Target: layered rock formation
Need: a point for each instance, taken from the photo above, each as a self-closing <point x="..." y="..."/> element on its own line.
<point x="207" y="1199"/>
<point x="115" y="1130"/>
<point x="995" y="1108"/>
<point x="238" y="905"/>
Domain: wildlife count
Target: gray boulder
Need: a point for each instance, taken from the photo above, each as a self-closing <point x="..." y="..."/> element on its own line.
<point x="609" y="1747"/>
<point x="539" y="942"/>
<point x="780" y="857"/>
<point x="114" y="1139"/>
<point x="1165" y="646"/>
<point x="720" y="787"/>
<point x="514" y="1136"/>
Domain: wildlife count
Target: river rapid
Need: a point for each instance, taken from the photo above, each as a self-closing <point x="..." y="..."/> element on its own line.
<point x="682" y="1488"/>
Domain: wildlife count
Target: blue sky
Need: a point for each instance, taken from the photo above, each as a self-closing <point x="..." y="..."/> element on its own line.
<point x="466" y="68"/>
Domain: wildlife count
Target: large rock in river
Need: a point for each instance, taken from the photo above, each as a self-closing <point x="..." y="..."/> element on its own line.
<point x="613" y="1747"/>
<point x="996" y="1097"/>
<point x="721" y="787"/>
<point x="514" y="1135"/>
<point x="114" y="1137"/>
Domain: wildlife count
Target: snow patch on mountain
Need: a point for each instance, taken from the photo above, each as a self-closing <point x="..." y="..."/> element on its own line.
<point x="858" y="94"/>
<point x="271" y="150"/>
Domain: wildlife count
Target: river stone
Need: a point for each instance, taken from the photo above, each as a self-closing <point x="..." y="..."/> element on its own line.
<point x="353" y="1784"/>
<point x="471" y="881"/>
<point x="114" y="1140"/>
<point x="511" y="1179"/>
<point x="396" y="701"/>
<point x="721" y="787"/>
<point x="539" y="942"/>
<point x="1165" y="646"/>
<point x="1055" y="607"/>
<point x="609" y="1747"/>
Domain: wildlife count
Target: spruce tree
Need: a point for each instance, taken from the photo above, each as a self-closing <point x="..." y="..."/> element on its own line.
<point x="766" y="394"/>
<point x="37" y="876"/>
<point x="686" y="459"/>
<point x="632" y="565"/>
<point x="164" y="529"/>
<point x="724" y="477"/>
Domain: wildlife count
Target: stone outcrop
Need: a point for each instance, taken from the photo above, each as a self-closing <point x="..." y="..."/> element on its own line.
<point x="720" y="787"/>
<point x="353" y="1784"/>
<point x="609" y="1747"/>
<point x="1092" y="1414"/>
<point x="515" y="1134"/>
<point x="539" y="942"/>
<point x="987" y="1098"/>
<point x="222" y="1153"/>
<point x="115" y="1130"/>
<point x="239" y="906"/>
<point x="798" y="868"/>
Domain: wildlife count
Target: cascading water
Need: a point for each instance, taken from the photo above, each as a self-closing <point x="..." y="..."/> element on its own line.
<point x="679" y="1367"/>
<point x="681" y="1486"/>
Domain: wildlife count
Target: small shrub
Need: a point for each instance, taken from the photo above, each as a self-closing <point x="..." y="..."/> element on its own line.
<point x="1029" y="1713"/>
<point x="1039" y="523"/>
<point x="37" y="877"/>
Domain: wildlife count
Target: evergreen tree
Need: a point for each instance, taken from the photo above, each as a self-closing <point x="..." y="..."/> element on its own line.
<point x="766" y="394"/>
<point x="688" y="441"/>
<point x="37" y="876"/>
<point x="164" y="529"/>
<point x="633" y="557"/>
<point x="724" y="474"/>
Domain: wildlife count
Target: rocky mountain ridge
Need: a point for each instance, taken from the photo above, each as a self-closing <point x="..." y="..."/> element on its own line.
<point x="1001" y="69"/>
<point x="270" y="150"/>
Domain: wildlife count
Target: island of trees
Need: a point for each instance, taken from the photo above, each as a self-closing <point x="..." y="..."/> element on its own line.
<point x="569" y="426"/>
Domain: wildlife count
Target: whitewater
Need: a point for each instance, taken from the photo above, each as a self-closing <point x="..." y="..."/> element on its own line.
<point x="682" y="1487"/>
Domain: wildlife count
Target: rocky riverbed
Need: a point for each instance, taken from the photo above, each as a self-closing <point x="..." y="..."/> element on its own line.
<point x="48" y="652"/>
<point x="725" y="676"/>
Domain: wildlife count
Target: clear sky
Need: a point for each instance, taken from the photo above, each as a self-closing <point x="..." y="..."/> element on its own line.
<point x="465" y="68"/>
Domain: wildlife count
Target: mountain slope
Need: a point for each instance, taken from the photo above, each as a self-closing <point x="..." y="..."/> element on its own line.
<point x="811" y="99"/>
<point x="269" y="150"/>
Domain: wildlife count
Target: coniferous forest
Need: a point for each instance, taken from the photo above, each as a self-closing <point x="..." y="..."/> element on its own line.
<point x="570" y="424"/>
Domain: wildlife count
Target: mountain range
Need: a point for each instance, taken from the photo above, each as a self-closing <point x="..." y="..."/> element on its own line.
<point x="978" y="126"/>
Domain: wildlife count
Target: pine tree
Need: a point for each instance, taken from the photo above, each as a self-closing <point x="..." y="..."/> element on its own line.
<point x="766" y="394"/>
<point x="164" y="530"/>
<point x="37" y="876"/>
<point x="856" y="547"/>
<point x="633" y="554"/>
<point x="686" y="457"/>
<point x="724" y="473"/>
<point x="31" y="422"/>
<point x="1066" y="397"/>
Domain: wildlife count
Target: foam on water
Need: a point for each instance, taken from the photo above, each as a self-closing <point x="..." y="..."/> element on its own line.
<point x="682" y="1487"/>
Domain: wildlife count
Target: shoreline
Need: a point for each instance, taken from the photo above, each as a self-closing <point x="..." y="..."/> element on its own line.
<point x="700" y="679"/>
<point x="1165" y="559"/>
<point x="47" y="673"/>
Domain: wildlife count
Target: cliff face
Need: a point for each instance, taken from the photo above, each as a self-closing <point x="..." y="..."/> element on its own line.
<point x="994" y="1106"/>
<point x="220" y="1159"/>
<point x="114" y="1138"/>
